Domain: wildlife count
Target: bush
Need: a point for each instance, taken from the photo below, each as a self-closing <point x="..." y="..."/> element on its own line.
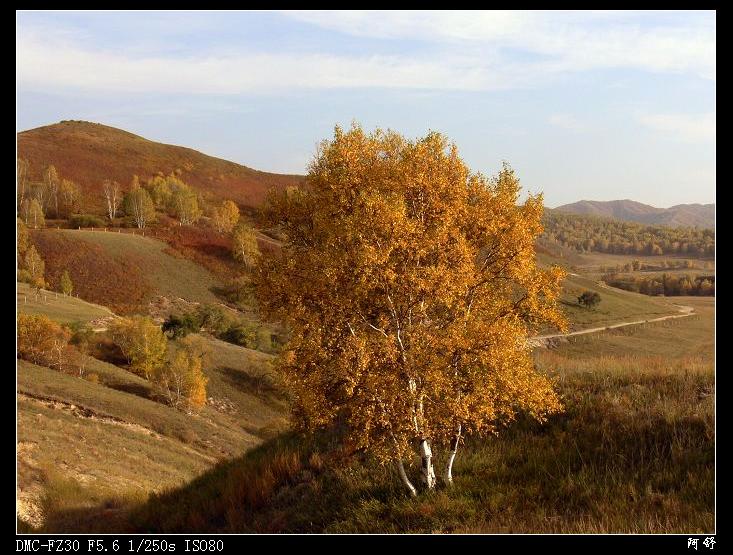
<point x="178" y="327"/>
<point x="86" y="220"/>
<point x="142" y="342"/>
<point x="589" y="299"/>
<point x="182" y="380"/>
<point x="42" y="341"/>
<point x="214" y="319"/>
<point x="242" y="335"/>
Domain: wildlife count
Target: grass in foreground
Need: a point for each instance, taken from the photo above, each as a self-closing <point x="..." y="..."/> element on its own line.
<point x="634" y="452"/>
<point x="81" y="443"/>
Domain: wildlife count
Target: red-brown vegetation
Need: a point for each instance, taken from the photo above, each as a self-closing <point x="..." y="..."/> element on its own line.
<point x="89" y="153"/>
<point x="97" y="277"/>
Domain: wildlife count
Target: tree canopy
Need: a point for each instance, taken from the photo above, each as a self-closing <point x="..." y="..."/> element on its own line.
<point x="409" y="286"/>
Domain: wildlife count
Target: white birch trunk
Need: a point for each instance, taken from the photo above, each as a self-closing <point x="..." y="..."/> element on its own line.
<point x="405" y="479"/>
<point x="428" y="472"/>
<point x="448" y="475"/>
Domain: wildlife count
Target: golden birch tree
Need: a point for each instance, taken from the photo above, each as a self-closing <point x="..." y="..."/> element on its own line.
<point x="410" y="286"/>
<point x="244" y="245"/>
<point x="142" y="342"/>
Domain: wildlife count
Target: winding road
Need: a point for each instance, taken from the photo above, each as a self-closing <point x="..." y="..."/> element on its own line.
<point x="544" y="340"/>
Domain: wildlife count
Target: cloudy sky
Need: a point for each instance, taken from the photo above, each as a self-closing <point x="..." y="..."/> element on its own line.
<point x="584" y="105"/>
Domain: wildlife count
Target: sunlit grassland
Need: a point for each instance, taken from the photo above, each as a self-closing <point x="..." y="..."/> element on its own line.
<point x="633" y="451"/>
<point x="57" y="306"/>
<point x="90" y="446"/>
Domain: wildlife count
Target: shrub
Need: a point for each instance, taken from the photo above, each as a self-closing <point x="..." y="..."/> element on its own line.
<point x="86" y="220"/>
<point x="182" y="380"/>
<point x="589" y="299"/>
<point x="179" y="326"/>
<point x="242" y="335"/>
<point x="213" y="319"/>
<point x="41" y="340"/>
<point x="142" y="342"/>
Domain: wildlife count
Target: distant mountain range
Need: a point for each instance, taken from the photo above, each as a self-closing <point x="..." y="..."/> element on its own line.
<point x="701" y="215"/>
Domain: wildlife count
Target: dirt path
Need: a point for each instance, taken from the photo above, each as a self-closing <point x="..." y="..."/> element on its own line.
<point x="545" y="340"/>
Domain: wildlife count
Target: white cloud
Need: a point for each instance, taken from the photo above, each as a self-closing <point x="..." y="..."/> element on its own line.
<point x="572" y="41"/>
<point x="684" y="127"/>
<point x="566" y="121"/>
<point x="55" y="61"/>
<point x="470" y="51"/>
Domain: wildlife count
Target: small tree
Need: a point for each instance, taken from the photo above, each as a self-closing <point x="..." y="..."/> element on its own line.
<point x="160" y="191"/>
<point x="33" y="268"/>
<point x="589" y="299"/>
<point x="184" y="202"/>
<point x="225" y="217"/>
<point x="32" y="213"/>
<point x="41" y="340"/>
<point x="83" y="339"/>
<point x="66" y="285"/>
<point x="139" y="206"/>
<point x="182" y="380"/>
<point x="70" y="197"/>
<point x="52" y="183"/>
<point x="142" y="342"/>
<point x="22" y="239"/>
<point x="113" y="197"/>
<point x="22" y="175"/>
<point x="409" y="286"/>
<point x="244" y="245"/>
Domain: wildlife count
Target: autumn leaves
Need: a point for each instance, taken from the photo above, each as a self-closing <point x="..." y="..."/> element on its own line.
<point x="409" y="285"/>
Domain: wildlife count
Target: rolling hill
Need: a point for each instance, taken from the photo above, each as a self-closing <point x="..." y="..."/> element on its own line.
<point x="122" y="271"/>
<point x="701" y="215"/>
<point x="88" y="153"/>
<point x="82" y="440"/>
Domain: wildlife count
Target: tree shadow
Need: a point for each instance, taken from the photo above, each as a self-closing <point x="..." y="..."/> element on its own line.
<point x="261" y="386"/>
<point x="140" y="390"/>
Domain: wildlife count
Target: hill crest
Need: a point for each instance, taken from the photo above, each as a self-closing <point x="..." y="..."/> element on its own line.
<point x="88" y="153"/>
<point x="700" y="215"/>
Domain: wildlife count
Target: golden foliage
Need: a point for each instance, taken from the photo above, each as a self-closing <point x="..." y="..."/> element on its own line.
<point x="225" y="217"/>
<point x="142" y="342"/>
<point x="244" y="245"/>
<point x="182" y="380"/>
<point x="22" y="238"/>
<point x="41" y="340"/>
<point x="138" y="205"/>
<point x="32" y="268"/>
<point x="410" y="286"/>
<point x="66" y="285"/>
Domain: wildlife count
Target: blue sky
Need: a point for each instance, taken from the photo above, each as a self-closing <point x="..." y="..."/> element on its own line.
<point x="584" y="105"/>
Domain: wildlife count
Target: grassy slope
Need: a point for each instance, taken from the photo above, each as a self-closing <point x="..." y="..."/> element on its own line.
<point x="56" y="306"/>
<point x="146" y="444"/>
<point x="282" y="486"/>
<point x="615" y="306"/>
<point x="121" y="270"/>
<point x="633" y="452"/>
<point x="88" y="153"/>
<point x="691" y="336"/>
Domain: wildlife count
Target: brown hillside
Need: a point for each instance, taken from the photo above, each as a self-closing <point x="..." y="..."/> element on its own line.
<point x="689" y="215"/>
<point x="88" y="153"/>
